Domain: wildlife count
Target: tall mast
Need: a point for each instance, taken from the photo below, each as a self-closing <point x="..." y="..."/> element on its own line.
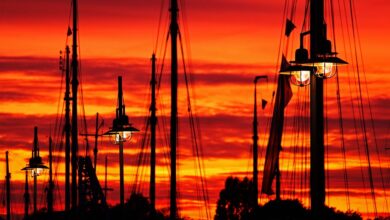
<point x="255" y="147"/>
<point x="26" y="196"/>
<point x="74" y="106"/>
<point x="317" y="169"/>
<point x="95" y="150"/>
<point x="120" y="114"/>
<point x="153" y="122"/>
<point x="8" y="186"/>
<point x="51" y="184"/>
<point x="174" y="27"/>
<point x="105" y="178"/>
<point x="35" y="154"/>
<point x="67" y="131"/>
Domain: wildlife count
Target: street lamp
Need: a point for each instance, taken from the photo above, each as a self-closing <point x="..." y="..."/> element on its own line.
<point x="35" y="166"/>
<point x="120" y="132"/>
<point x="322" y="65"/>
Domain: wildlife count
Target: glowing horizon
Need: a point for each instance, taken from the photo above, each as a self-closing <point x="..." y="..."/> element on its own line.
<point x="239" y="42"/>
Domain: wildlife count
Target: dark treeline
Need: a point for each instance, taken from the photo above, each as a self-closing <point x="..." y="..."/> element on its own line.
<point x="235" y="203"/>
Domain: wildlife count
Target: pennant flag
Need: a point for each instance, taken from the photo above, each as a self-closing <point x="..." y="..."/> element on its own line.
<point x="283" y="97"/>
<point x="263" y="103"/>
<point x="69" y="31"/>
<point x="290" y="26"/>
<point x="285" y="64"/>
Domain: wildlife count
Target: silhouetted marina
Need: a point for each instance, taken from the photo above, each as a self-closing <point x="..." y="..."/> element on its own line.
<point x="85" y="195"/>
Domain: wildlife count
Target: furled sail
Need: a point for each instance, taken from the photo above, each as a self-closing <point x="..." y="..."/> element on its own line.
<point x="283" y="96"/>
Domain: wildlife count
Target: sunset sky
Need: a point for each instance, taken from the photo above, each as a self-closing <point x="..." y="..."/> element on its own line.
<point x="227" y="43"/>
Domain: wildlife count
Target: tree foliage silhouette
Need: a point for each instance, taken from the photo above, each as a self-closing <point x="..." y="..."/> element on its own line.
<point x="235" y="200"/>
<point x="236" y="203"/>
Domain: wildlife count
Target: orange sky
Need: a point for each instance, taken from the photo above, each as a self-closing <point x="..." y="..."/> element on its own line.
<point x="231" y="41"/>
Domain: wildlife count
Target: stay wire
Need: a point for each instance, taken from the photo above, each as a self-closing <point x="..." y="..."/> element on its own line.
<point x="369" y="106"/>
<point x="372" y="187"/>
<point x="339" y="108"/>
<point x="344" y="12"/>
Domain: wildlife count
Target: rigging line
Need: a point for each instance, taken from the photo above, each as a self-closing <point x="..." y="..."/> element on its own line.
<point x="161" y="101"/>
<point x="343" y="148"/>
<point x="326" y="144"/>
<point x="277" y="66"/>
<point x="350" y="88"/>
<point x="58" y="104"/>
<point x="165" y="153"/>
<point x="362" y="114"/>
<point x="159" y="26"/>
<point x="369" y="105"/>
<point x="306" y="131"/>
<point x="302" y="147"/>
<point x="305" y="15"/>
<point x="194" y="132"/>
<point x="194" y="117"/>
<point x="339" y="107"/>
<point x="83" y="119"/>
<point x="140" y="155"/>
<point x="293" y="9"/>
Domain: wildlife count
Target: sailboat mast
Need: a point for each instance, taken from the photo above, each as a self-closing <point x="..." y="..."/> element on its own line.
<point x="174" y="27"/>
<point x="8" y="186"/>
<point x="255" y="149"/>
<point x="105" y="178"/>
<point x="317" y="168"/>
<point x="26" y="196"/>
<point x="74" y="106"/>
<point x="153" y="122"/>
<point x="95" y="150"/>
<point x="35" y="152"/>
<point x="67" y="131"/>
<point x="51" y="184"/>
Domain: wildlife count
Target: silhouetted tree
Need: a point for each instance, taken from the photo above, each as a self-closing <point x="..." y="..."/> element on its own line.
<point x="235" y="200"/>
<point x="283" y="209"/>
<point x="137" y="207"/>
<point x="234" y="203"/>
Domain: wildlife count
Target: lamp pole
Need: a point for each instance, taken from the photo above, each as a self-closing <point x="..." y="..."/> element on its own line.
<point x="317" y="168"/>
<point x="255" y="144"/>
<point x="121" y="163"/>
<point x="8" y="186"/>
<point x="26" y="196"/>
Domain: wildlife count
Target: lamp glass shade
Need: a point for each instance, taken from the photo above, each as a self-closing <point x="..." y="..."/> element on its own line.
<point x="36" y="171"/>
<point x="301" y="78"/>
<point x="300" y="75"/>
<point x="121" y="136"/>
<point x="325" y="69"/>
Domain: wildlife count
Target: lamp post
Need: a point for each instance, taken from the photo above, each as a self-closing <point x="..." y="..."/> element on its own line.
<point x="121" y="131"/>
<point x="8" y="186"/>
<point x="35" y="166"/>
<point x="255" y="143"/>
<point x="313" y="71"/>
